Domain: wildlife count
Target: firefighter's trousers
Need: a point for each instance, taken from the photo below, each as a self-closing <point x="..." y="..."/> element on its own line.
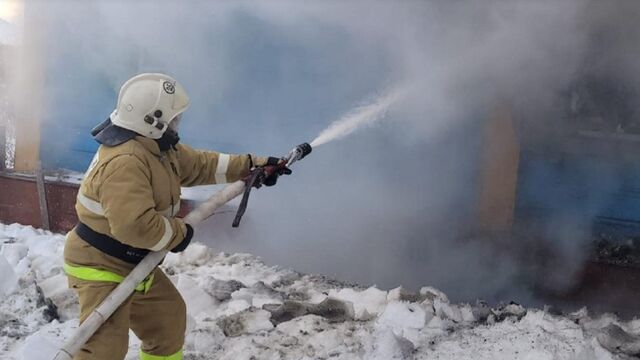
<point x="157" y="316"/>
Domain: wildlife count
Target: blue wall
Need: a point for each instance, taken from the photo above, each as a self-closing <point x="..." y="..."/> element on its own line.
<point x="591" y="185"/>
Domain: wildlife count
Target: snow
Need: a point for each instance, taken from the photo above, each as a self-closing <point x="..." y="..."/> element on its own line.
<point x="403" y="315"/>
<point x="241" y="308"/>
<point x="8" y="280"/>
<point x="366" y="304"/>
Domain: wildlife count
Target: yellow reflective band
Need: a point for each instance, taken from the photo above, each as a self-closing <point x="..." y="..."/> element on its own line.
<point x="145" y="356"/>
<point x="91" y="274"/>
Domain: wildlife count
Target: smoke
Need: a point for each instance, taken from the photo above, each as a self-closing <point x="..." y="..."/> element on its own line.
<point x="393" y="203"/>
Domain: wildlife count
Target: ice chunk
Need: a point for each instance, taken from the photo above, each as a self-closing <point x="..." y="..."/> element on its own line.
<point x="197" y="300"/>
<point x="617" y="340"/>
<point x="259" y="294"/>
<point x="403" y="315"/>
<point x="56" y="289"/>
<point x="221" y="290"/>
<point x="467" y="313"/>
<point x="333" y="310"/>
<point x="8" y="278"/>
<point x="481" y="311"/>
<point x="366" y="304"/>
<point x="391" y="346"/>
<point x="552" y="324"/>
<point x="432" y="293"/>
<point x="14" y="252"/>
<point x="195" y="254"/>
<point x="316" y="297"/>
<point x="38" y="347"/>
<point x="307" y="324"/>
<point x="438" y="323"/>
<point x="326" y="344"/>
<point x="447" y="311"/>
<point x="402" y="294"/>
<point x="247" y="322"/>
<point x="53" y="285"/>
<point x="206" y="338"/>
<point x="236" y="306"/>
<point x="286" y="311"/>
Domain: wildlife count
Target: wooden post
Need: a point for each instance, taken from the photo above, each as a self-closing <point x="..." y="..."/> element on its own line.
<point x="27" y="82"/>
<point x="42" y="197"/>
<point x="499" y="173"/>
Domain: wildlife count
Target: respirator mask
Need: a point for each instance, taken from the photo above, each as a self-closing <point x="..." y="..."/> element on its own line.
<point x="170" y="137"/>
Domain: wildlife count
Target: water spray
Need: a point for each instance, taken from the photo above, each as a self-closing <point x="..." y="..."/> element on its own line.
<point x="358" y="118"/>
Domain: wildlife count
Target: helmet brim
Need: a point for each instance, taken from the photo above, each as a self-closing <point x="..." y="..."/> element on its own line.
<point x="106" y="133"/>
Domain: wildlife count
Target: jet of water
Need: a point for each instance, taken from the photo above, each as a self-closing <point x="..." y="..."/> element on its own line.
<point x="357" y="118"/>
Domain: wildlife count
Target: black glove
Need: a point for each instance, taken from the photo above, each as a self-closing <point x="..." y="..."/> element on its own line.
<point x="273" y="178"/>
<point x="184" y="243"/>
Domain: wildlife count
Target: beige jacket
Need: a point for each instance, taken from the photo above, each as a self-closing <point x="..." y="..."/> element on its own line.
<point x="131" y="192"/>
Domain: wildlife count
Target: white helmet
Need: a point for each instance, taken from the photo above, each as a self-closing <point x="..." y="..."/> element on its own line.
<point x="148" y="102"/>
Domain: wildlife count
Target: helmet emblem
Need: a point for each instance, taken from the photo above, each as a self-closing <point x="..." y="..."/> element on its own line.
<point x="169" y="87"/>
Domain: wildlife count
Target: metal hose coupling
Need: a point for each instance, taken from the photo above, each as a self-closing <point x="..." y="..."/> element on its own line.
<point x="298" y="153"/>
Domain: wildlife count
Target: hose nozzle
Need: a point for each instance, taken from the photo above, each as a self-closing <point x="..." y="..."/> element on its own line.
<point x="298" y="153"/>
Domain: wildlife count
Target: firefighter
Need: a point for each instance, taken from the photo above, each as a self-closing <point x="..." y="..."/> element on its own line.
<point x="126" y="207"/>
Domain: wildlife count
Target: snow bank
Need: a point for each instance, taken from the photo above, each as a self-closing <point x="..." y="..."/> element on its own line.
<point x="8" y="280"/>
<point x="240" y="308"/>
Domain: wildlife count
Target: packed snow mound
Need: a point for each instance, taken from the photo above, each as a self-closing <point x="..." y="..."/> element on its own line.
<point x="241" y="308"/>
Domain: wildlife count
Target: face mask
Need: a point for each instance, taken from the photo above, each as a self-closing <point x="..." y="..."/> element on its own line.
<point x="168" y="140"/>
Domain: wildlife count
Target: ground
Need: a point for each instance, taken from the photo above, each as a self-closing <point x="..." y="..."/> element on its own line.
<point x="241" y="308"/>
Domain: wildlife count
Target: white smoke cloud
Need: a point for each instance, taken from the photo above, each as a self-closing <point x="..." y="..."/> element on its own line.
<point x="389" y="204"/>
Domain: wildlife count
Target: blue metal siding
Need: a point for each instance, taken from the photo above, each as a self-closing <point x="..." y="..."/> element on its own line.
<point x="599" y="191"/>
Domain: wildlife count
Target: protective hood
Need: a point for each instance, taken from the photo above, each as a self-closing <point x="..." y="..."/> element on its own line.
<point x="108" y="134"/>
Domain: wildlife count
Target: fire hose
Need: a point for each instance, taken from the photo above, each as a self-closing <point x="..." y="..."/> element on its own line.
<point x="109" y="305"/>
